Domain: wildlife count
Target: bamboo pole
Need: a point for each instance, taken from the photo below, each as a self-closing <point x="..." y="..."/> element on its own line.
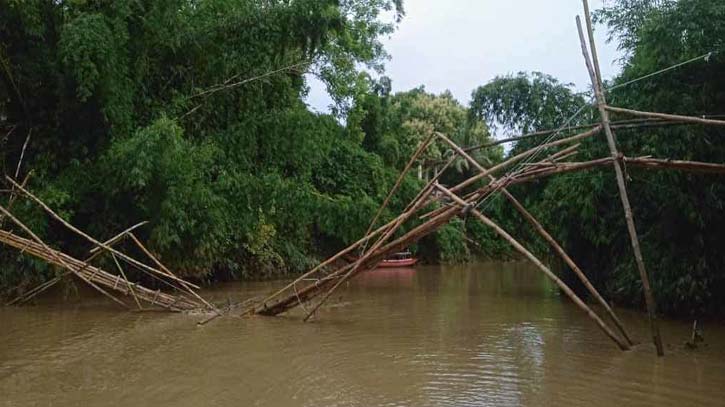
<point x="521" y="249"/>
<point x="665" y="116"/>
<point x="619" y="124"/>
<point x="13" y="196"/>
<point x="549" y="239"/>
<point x="596" y="78"/>
<point x="690" y="166"/>
<point x="119" y="236"/>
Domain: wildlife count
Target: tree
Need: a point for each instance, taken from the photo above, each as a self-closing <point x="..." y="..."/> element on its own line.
<point x="190" y="115"/>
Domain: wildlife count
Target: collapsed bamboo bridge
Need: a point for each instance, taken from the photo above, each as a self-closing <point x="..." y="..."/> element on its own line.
<point x="184" y="297"/>
<point x="434" y="206"/>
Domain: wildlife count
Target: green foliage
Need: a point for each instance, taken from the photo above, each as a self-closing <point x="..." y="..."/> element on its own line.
<point x="525" y="102"/>
<point x="137" y="113"/>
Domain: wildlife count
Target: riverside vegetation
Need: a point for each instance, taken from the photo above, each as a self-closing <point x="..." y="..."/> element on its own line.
<point x="190" y="114"/>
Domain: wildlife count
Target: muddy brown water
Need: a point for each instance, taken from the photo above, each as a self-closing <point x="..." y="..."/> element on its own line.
<point x="481" y="334"/>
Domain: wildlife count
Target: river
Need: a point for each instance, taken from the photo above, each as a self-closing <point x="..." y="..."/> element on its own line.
<point x="478" y="334"/>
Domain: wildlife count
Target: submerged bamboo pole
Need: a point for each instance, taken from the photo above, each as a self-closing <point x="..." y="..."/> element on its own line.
<point x="595" y="75"/>
<point x="128" y="284"/>
<point x="530" y="256"/>
<point x="549" y="239"/>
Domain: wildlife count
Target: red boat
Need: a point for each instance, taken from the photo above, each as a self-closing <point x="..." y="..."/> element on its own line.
<point x="401" y="259"/>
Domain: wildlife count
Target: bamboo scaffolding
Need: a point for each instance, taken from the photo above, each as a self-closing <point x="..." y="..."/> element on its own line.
<point x="546" y="236"/>
<point x="596" y="78"/>
<point x="312" y="290"/>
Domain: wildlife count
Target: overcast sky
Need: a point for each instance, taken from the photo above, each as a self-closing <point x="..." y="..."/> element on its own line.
<point x="461" y="44"/>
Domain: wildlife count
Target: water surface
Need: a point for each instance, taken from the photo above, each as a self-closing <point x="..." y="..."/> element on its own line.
<point x="479" y="335"/>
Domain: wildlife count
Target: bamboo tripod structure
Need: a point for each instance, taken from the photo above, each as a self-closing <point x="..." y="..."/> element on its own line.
<point x="322" y="281"/>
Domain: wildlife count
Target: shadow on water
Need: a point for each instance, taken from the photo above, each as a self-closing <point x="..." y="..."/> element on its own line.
<point x="479" y="334"/>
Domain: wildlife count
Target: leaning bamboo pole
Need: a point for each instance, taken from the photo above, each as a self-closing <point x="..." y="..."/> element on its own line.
<point x="548" y="238"/>
<point x="665" y="116"/>
<point x="530" y="256"/>
<point x="596" y="78"/>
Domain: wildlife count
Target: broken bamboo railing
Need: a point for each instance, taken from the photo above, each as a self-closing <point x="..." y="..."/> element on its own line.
<point x="596" y="79"/>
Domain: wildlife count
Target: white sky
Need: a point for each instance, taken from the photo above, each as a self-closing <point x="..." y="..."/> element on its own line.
<point x="461" y="44"/>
